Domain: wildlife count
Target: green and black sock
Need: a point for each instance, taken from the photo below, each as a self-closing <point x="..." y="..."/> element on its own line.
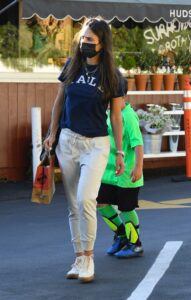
<point x="131" y="220"/>
<point x="112" y="219"/>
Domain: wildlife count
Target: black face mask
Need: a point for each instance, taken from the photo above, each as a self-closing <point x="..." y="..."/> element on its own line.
<point x="88" y="50"/>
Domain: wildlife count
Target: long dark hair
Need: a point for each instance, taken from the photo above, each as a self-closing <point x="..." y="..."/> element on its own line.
<point x="109" y="76"/>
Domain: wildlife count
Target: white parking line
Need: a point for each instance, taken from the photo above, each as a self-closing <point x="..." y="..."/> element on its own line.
<point x="155" y="273"/>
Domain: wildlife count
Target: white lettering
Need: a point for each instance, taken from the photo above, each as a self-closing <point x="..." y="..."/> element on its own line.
<point x="173" y="44"/>
<point x="91" y="82"/>
<point x="171" y="27"/>
<point x="180" y="13"/>
<point x="189" y="38"/>
<point x="161" y="30"/>
<point x="148" y="34"/>
<point x="184" y="41"/>
<point x="169" y="35"/>
<point x="168" y="46"/>
<point x="185" y="13"/>
<point x="81" y="80"/>
<point x="172" y="13"/>
<point x="178" y="37"/>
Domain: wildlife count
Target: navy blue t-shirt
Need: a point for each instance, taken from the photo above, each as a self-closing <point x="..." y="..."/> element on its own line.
<point x="84" y="107"/>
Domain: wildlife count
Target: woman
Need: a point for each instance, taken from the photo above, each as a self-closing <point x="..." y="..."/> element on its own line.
<point x="90" y="79"/>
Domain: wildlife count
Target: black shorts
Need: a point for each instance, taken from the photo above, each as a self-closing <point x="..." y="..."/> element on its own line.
<point x="125" y="198"/>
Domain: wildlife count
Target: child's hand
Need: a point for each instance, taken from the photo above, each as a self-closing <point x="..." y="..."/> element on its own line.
<point x="136" y="174"/>
<point x="119" y="165"/>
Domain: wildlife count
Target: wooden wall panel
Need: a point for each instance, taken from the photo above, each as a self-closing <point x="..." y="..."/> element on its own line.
<point x="50" y="93"/>
<point x="31" y="102"/>
<point x="157" y="163"/>
<point x="40" y="99"/>
<point x="13" y="124"/>
<point x="4" y="124"/>
<point x="138" y="101"/>
<point x="22" y="145"/>
<point x="16" y="101"/>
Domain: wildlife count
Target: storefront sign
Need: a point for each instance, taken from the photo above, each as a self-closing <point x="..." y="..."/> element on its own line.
<point x="180" y="13"/>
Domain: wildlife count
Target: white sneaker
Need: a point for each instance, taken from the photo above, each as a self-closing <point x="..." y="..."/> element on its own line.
<point x="74" y="272"/>
<point x="86" y="273"/>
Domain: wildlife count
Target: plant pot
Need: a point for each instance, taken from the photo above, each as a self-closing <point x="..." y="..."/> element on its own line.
<point x="176" y="118"/>
<point x="174" y="139"/>
<point x="156" y="82"/>
<point x="130" y="84"/>
<point x="169" y="80"/>
<point x="152" y="143"/>
<point x="182" y="79"/>
<point x="141" y="82"/>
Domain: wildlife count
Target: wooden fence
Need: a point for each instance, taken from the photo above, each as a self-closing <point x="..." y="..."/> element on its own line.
<point x="16" y="101"/>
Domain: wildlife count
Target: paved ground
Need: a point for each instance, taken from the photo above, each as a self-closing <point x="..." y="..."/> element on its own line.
<point x="35" y="249"/>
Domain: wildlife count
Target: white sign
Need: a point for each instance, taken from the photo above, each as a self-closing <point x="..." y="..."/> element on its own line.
<point x="169" y="36"/>
<point x="180" y="13"/>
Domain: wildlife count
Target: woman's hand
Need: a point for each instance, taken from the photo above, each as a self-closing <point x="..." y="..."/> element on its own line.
<point x="119" y="165"/>
<point x="48" y="142"/>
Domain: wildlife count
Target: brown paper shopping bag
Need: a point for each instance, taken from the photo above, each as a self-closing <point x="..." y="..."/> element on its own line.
<point x="44" y="185"/>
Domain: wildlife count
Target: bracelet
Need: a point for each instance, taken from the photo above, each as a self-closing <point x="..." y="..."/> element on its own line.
<point x="120" y="152"/>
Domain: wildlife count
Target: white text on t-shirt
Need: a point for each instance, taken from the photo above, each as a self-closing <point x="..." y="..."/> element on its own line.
<point x="90" y="80"/>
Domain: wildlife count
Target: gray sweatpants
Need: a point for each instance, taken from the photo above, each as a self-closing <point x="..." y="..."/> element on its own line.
<point x="82" y="162"/>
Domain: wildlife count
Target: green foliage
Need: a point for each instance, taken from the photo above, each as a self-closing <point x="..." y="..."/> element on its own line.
<point x="127" y="61"/>
<point x="9" y="48"/>
<point x="49" y="51"/>
<point x="155" y="60"/>
<point x="127" y="40"/>
<point x="23" y="55"/>
<point x="8" y="41"/>
<point x="131" y="50"/>
<point x="148" y="60"/>
<point x="182" y="59"/>
<point x="143" y="59"/>
<point x="126" y="43"/>
<point x="26" y="42"/>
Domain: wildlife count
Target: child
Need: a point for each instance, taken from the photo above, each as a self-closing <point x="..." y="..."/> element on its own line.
<point x="123" y="190"/>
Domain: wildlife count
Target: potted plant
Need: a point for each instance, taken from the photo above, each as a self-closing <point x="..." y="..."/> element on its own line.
<point x="143" y="65"/>
<point x="169" y="77"/>
<point x="176" y="120"/>
<point x="183" y="65"/>
<point x="153" y="123"/>
<point x="156" y="75"/>
<point x="127" y="63"/>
